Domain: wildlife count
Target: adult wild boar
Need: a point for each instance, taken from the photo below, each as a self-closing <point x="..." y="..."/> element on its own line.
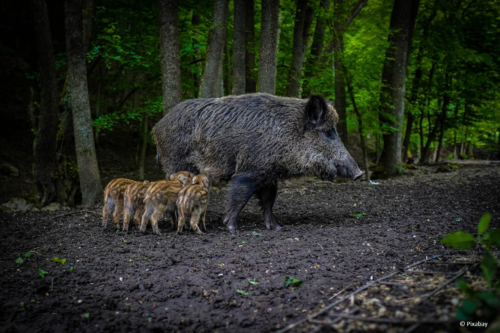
<point x="253" y="140"/>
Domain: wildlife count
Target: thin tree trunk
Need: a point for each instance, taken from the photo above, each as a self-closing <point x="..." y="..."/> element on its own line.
<point x="144" y="146"/>
<point x="393" y="80"/>
<point x="432" y="133"/>
<point x="441" y="137"/>
<point x="45" y="169"/>
<point x="170" y="53"/>
<point x="227" y="69"/>
<point x="338" y="51"/>
<point x="212" y="74"/>
<point x="250" y="82"/>
<point x="360" y="126"/>
<point x="88" y="170"/>
<point x="303" y="20"/>
<point x="195" y="21"/>
<point x="268" y="47"/>
<point x="316" y="51"/>
<point x="239" y="43"/>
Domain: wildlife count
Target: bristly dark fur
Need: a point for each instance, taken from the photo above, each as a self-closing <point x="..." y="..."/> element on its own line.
<point x="254" y="140"/>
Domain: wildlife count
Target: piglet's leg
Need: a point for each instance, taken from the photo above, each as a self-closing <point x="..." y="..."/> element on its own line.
<point x="267" y="196"/>
<point x="242" y="188"/>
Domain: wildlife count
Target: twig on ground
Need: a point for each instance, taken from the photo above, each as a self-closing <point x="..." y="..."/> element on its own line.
<point x="391" y="321"/>
<point x="340" y="292"/>
<point x="328" y="307"/>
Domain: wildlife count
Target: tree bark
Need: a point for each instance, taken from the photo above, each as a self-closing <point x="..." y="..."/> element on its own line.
<point x="212" y="74"/>
<point x="88" y="170"/>
<point x="239" y="43"/>
<point x="45" y="168"/>
<point x="338" y="51"/>
<point x="303" y="20"/>
<point x="316" y="51"/>
<point x="170" y="53"/>
<point x="268" y="47"/>
<point x="250" y="82"/>
<point x="393" y="84"/>
<point x="360" y="126"/>
<point x="227" y="69"/>
<point x="432" y="134"/>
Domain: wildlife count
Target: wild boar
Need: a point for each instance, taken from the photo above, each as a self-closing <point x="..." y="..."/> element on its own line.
<point x="160" y="198"/>
<point x="133" y="202"/>
<point x="192" y="201"/>
<point x="253" y="140"/>
<point x="113" y="198"/>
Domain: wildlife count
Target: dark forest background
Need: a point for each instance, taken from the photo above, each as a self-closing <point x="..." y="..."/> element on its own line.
<point x="413" y="81"/>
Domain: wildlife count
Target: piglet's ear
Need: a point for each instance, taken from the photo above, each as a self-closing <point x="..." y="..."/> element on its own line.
<point x="315" y="112"/>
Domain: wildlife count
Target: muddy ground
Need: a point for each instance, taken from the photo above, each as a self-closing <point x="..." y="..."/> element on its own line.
<point x="336" y="237"/>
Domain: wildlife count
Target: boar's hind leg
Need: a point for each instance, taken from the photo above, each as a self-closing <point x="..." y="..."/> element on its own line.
<point x="242" y="188"/>
<point x="267" y="196"/>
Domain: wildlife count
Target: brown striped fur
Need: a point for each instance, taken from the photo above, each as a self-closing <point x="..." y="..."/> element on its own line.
<point x="192" y="201"/>
<point x="113" y="198"/>
<point x="133" y="200"/>
<point x="160" y="199"/>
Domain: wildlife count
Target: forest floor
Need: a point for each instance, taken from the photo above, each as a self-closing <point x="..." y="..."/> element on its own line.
<point x="336" y="238"/>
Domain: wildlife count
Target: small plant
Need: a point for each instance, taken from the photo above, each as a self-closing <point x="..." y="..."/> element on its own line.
<point x="254" y="282"/>
<point x="86" y="315"/>
<point x="19" y="260"/>
<point x="242" y="292"/>
<point x="42" y="273"/>
<point x="21" y="306"/>
<point x="358" y="215"/>
<point x="483" y="304"/>
<point x="61" y="261"/>
<point x="27" y="255"/>
<point x="292" y="282"/>
<point x="255" y="233"/>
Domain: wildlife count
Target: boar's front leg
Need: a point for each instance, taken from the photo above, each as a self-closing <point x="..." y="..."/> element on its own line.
<point x="243" y="186"/>
<point x="267" y="196"/>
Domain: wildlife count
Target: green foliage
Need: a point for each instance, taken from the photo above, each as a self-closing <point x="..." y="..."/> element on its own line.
<point x="254" y="282"/>
<point x="42" y="273"/>
<point x="479" y="304"/>
<point x="255" y="233"/>
<point x="61" y="261"/>
<point x="242" y="292"/>
<point x="292" y="282"/>
<point x="358" y="214"/>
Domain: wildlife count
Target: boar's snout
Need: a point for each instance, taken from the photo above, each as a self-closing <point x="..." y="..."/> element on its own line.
<point x="358" y="174"/>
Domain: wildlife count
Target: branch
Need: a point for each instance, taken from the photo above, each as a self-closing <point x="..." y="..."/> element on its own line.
<point x="355" y="12"/>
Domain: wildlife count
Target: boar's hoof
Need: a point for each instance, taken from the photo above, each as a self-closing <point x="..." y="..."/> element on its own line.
<point x="231" y="229"/>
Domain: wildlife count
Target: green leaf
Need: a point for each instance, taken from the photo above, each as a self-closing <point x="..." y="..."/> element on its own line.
<point x="255" y="233"/>
<point x="239" y="291"/>
<point x="484" y="224"/>
<point x="459" y="240"/>
<point x="469" y="305"/>
<point x="489" y="267"/>
<point x="19" y="260"/>
<point x="71" y="268"/>
<point x="490" y="298"/>
<point x="494" y="237"/>
<point x="254" y="282"/>
<point x="61" y="261"/>
<point x="42" y="273"/>
<point x="458" y="219"/>
<point x="86" y="315"/>
<point x="292" y="282"/>
<point x="464" y="287"/>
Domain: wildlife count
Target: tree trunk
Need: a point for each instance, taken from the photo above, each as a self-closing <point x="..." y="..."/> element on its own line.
<point x="45" y="169"/>
<point x="239" y="43"/>
<point x="360" y="126"/>
<point x="316" y="51"/>
<point x="250" y="82"/>
<point x="144" y="146"/>
<point x="227" y="70"/>
<point x="338" y="51"/>
<point x="195" y="21"/>
<point x="441" y="137"/>
<point x="170" y="53"/>
<point x="212" y="74"/>
<point x="268" y="47"/>
<point x="88" y="23"/>
<point x="432" y="134"/>
<point x="88" y="170"/>
<point x="303" y="20"/>
<point x="393" y="81"/>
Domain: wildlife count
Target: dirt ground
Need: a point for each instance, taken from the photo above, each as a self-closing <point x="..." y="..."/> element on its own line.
<point x="336" y="238"/>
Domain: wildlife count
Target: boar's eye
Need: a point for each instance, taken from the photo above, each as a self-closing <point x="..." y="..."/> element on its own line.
<point x="330" y="134"/>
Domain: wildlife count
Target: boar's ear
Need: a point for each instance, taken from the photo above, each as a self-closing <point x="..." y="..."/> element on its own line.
<point x="315" y="112"/>
<point x="171" y="177"/>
